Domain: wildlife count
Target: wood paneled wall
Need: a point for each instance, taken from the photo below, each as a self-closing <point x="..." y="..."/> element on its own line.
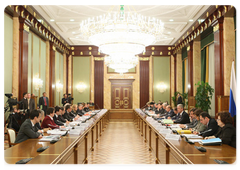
<point x="23" y="58"/>
<point x="144" y="82"/>
<point x="52" y="75"/>
<point x="98" y="83"/>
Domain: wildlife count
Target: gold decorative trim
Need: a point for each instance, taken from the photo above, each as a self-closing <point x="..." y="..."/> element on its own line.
<point x="81" y="53"/>
<point x="16" y="9"/>
<point x="169" y="48"/>
<point x="152" y="53"/>
<point x="153" y="48"/>
<point x="72" y="53"/>
<point x="90" y="48"/>
<point x="169" y="53"/>
<point x="26" y="28"/>
<point x="99" y="58"/>
<point x="188" y="48"/>
<point x="72" y="48"/>
<point x="90" y="53"/>
<point x="144" y="58"/>
<point x="161" y="53"/>
<point x="219" y="14"/>
<point x="54" y="48"/>
<point x="216" y="28"/>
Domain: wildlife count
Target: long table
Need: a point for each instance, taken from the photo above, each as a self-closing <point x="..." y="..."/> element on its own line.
<point x="179" y="151"/>
<point x="70" y="149"/>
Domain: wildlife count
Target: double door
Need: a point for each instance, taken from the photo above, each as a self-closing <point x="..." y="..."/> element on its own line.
<point x="121" y="96"/>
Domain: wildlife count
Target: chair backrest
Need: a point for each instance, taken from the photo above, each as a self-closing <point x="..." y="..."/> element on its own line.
<point x="11" y="136"/>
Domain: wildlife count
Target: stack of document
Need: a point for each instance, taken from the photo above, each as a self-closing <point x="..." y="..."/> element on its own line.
<point x="55" y="132"/>
<point x="49" y="138"/>
<point x="214" y="141"/>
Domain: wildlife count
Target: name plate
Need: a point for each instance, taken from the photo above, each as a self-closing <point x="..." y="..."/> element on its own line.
<point x="165" y="131"/>
<point x="172" y="137"/>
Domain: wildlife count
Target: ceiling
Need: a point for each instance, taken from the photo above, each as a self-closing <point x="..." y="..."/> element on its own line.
<point x="67" y="18"/>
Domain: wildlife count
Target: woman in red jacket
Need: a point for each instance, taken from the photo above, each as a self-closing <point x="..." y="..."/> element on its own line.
<point x="48" y="121"/>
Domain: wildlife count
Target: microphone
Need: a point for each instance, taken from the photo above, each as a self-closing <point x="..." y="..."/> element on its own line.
<point x="209" y="130"/>
<point x="98" y="106"/>
<point x="143" y="106"/>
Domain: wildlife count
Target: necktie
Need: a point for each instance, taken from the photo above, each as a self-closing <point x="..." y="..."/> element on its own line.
<point x="45" y="103"/>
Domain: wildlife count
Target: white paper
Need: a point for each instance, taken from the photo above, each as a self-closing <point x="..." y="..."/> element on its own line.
<point x="56" y="132"/>
<point x="172" y="137"/>
<point x="194" y="140"/>
<point x="192" y="136"/>
<point x="165" y="131"/>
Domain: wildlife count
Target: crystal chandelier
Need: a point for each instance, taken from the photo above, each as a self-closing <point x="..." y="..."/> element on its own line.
<point x="121" y="35"/>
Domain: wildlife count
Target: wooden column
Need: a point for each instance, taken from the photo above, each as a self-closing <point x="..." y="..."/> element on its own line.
<point x="23" y="56"/>
<point x="99" y="83"/>
<point x="67" y="67"/>
<point x="175" y="73"/>
<point x="52" y="75"/>
<point x="190" y="69"/>
<point x="144" y="82"/>
<point x="219" y="58"/>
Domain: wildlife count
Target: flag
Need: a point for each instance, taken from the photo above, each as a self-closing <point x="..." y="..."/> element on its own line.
<point x="233" y="92"/>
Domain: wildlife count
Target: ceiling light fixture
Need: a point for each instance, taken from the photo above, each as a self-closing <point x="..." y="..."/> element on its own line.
<point x="72" y="20"/>
<point x="52" y="20"/>
<point x="191" y="20"/>
<point x="171" y="20"/>
<point x="121" y="35"/>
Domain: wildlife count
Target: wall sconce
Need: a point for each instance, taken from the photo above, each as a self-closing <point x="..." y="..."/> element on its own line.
<point x="59" y="86"/>
<point x="37" y="82"/>
<point x="161" y="87"/>
<point x="81" y="87"/>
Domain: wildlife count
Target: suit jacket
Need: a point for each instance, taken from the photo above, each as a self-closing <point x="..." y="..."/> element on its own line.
<point x="61" y="119"/>
<point x="63" y="101"/>
<point x="48" y="122"/>
<point x="31" y="104"/>
<point x="86" y="109"/>
<point x="192" y="124"/>
<point x="42" y="103"/>
<point x="80" y="112"/>
<point x="27" y="131"/>
<point x="175" y="116"/>
<point x="179" y="100"/>
<point x="183" y="119"/>
<point x="227" y="134"/>
<point x="67" y="116"/>
<point x="170" y="114"/>
<point x="57" y="121"/>
<point x="24" y="104"/>
<point x="212" y="124"/>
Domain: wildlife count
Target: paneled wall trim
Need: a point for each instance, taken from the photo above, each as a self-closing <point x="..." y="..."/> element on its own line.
<point x="212" y="14"/>
<point x="88" y="50"/>
<point x="42" y="29"/>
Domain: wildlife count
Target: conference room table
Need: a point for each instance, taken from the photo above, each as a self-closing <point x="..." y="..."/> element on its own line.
<point x="167" y="151"/>
<point x="70" y="149"/>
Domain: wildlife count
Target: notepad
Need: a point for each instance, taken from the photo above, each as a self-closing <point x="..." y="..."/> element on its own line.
<point x="49" y="138"/>
<point x="214" y="141"/>
<point x="192" y="136"/>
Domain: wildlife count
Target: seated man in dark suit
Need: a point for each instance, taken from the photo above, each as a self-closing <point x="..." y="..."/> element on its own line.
<point x="193" y="122"/>
<point x="183" y="116"/>
<point x="48" y="120"/>
<point x="60" y="116"/>
<point x="212" y="126"/>
<point x="28" y="129"/>
<point x="56" y="116"/>
<point x="176" y="115"/>
<point x="66" y="115"/>
<point x="170" y="112"/>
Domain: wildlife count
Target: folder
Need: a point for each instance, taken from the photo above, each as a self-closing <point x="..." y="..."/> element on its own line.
<point x="214" y="141"/>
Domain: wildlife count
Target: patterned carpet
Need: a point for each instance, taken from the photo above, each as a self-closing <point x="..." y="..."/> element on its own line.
<point x="121" y="143"/>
